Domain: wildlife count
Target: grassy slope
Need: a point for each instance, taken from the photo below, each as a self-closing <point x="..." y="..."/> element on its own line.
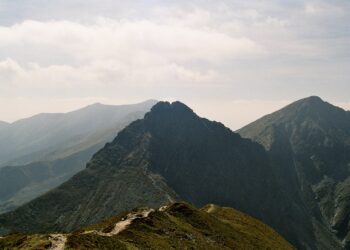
<point x="180" y="226"/>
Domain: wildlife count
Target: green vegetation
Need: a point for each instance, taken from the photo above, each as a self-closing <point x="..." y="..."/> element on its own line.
<point x="25" y="242"/>
<point x="179" y="226"/>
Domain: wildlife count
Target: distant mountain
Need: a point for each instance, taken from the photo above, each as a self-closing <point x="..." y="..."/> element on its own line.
<point x="51" y="136"/>
<point x="3" y="124"/>
<point x="309" y="145"/>
<point x="178" y="226"/>
<point x="20" y="184"/>
<point x="171" y="154"/>
<point x="63" y="144"/>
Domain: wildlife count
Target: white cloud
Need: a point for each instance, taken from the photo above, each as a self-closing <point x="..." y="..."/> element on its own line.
<point x="199" y="52"/>
<point x="132" y="40"/>
<point x="67" y="56"/>
<point x="318" y="8"/>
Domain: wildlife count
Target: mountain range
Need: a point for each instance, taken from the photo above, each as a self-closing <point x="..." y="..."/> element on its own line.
<point x="57" y="135"/>
<point x="289" y="169"/>
<point x="54" y="147"/>
<point x="171" y="154"/>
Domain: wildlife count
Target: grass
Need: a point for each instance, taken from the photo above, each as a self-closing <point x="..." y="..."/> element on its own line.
<point x="180" y="226"/>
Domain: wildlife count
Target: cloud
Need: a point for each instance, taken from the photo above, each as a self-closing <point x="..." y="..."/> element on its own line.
<point x="196" y="51"/>
<point x="108" y="38"/>
<point x="322" y="8"/>
<point x="74" y="56"/>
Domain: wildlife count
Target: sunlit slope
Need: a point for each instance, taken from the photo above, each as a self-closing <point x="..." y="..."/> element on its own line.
<point x="178" y="226"/>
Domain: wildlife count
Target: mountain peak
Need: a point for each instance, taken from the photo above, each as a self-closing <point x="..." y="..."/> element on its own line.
<point x="177" y="105"/>
<point x="96" y="104"/>
<point x="167" y="108"/>
<point x="311" y="111"/>
<point x="312" y="107"/>
<point x="312" y="100"/>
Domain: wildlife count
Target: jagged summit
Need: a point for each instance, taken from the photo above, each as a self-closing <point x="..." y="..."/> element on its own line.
<point x="167" y="107"/>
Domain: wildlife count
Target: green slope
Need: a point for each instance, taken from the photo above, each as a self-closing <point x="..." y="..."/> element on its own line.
<point x="178" y="226"/>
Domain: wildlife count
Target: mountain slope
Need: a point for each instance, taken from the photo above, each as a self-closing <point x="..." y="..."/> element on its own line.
<point x="171" y="154"/>
<point x="20" y="184"/>
<point x="178" y="226"/>
<point x="3" y="124"/>
<point x="309" y="144"/>
<point x="49" y="136"/>
<point x="65" y="143"/>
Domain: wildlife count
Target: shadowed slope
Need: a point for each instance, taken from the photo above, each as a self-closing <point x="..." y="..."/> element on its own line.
<point x="309" y="144"/>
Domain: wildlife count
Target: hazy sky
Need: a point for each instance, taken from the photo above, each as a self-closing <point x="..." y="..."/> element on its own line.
<point x="231" y="61"/>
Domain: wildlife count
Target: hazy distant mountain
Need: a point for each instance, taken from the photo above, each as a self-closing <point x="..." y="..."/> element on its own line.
<point x="309" y="144"/>
<point x="3" y="124"/>
<point x="171" y="154"/>
<point x="63" y="142"/>
<point x="177" y="226"/>
<point x="20" y="184"/>
<point x="52" y="136"/>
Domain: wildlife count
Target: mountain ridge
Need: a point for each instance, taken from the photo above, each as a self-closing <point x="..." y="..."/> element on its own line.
<point x="3" y="124"/>
<point x="176" y="225"/>
<point x="309" y="144"/>
<point x="87" y="107"/>
<point x="31" y="139"/>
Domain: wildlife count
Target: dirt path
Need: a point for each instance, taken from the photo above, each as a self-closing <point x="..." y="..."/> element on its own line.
<point x="122" y="225"/>
<point x="58" y="241"/>
<point x="211" y="208"/>
<point x="163" y="208"/>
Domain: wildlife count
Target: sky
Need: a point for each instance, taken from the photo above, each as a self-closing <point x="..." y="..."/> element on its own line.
<point x="232" y="61"/>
